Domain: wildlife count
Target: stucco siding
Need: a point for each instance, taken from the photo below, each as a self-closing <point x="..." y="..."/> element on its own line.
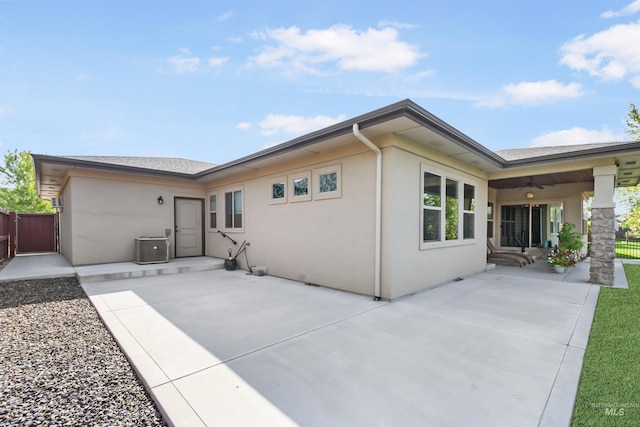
<point x="110" y="210"/>
<point x="328" y="242"/>
<point x="66" y="224"/>
<point x="406" y="266"/>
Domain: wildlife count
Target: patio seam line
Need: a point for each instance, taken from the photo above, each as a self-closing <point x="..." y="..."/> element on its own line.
<point x="538" y="338"/>
<point x="131" y="362"/>
<point x="283" y="340"/>
<point x="164" y="412"/>
<point x="582" y="312"/>
<point x="141" y="346"/>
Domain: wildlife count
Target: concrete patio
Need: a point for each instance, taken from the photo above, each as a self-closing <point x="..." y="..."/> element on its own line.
<point x="499" y="348"/>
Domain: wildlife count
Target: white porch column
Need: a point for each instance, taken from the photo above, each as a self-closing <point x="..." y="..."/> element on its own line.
<point x="603" y="223"/>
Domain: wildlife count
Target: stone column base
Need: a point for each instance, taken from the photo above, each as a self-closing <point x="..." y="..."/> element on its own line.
<point x="603" y="246"/>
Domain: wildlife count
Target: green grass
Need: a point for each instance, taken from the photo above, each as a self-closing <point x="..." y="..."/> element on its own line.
<point x="609" y="391"/>
<point x="626" y="249"/>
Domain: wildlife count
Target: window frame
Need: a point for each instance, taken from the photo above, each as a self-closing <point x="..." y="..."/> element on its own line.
<point x="490" y="219"/>
<point x="292" y="187"/>
<point x="213" y="227"/>
<point x="468" y="212"/>
<point x="317" y="180"/>
<point x="280" y="180"/>
<point x="233" y="192"/>
<point x="447" y="177"/>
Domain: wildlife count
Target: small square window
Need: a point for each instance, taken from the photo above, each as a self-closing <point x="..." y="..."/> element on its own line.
<point x="300" y="187"/>
<point x="328" y="185"/>
<point x="278" y="190"/>
<point x="328" y="182"/>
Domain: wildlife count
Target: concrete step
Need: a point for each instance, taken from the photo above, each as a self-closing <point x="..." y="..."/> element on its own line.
<point x="128" y="270"/>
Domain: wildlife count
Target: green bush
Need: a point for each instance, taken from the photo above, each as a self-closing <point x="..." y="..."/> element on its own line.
<point x="569" y="238"/>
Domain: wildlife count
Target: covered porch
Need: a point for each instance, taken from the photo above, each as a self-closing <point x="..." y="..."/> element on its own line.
<point x="552" y="186"/>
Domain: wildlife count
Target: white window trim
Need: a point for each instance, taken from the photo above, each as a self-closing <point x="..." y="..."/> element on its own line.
<point x="472" y="212"/>
<point x="213" y="229"/>
<point x="292" y="179"/>
<point x="223" y="226"/>
<point x="460" y="180"/>
<point x="279" y="180"/>
<point x="317" y="195"/>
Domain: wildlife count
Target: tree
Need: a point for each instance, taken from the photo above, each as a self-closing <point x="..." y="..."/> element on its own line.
<point x="630" y="196"/>
<point x="633" y="122"/>
<point x="19" y="193"/>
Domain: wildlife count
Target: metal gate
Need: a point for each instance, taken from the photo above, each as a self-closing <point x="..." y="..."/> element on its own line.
<point x="36" y="233"/>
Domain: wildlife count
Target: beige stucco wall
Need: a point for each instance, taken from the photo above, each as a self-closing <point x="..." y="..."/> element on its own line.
<point x="66" y="224"/>
<point x="326" y="242"/>
<point x="109" y="210"/>
<point x="406" y="268"/>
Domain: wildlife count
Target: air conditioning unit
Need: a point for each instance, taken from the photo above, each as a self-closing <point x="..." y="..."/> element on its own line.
<point x="56" y="202"/>
<point x="152" y="250"/>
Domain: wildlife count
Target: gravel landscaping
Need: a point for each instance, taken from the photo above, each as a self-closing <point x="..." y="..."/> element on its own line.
<point x="58" y="363"/>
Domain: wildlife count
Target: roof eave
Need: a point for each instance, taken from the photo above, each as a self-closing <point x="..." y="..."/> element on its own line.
<point x="405" y="108"/>
<point x="574" y="155"/>
<point x="64" y="161"/>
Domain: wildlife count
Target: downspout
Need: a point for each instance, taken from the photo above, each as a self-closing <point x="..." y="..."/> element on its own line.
<point x="378" y="253"/>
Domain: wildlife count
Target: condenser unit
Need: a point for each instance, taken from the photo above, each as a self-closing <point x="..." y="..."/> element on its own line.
<point x="152" y="250"/>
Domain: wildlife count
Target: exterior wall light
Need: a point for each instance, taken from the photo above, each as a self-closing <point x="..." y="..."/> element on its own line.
<point x="529" y="195"/>
<point x="160" y="200"/>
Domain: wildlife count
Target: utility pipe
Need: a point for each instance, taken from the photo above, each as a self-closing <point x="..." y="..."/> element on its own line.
<point x="378" y="253"/>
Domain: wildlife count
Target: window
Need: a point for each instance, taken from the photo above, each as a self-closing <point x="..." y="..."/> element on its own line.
<point x="469" y="212"/>
<point x="213" y="223"/>
<point x="431" y="208"/>
<point x="301" y="187"/>
<point x="327" y="182"/>
<point x="451" y="218"/>
<point x="278" y="190"/>
<point x="490" y="219"/>
<point x="448" y="209"/>
<point x="233" y="209"/>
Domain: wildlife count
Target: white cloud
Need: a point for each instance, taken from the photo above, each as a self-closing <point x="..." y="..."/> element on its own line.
<point x="612" y="54"/>
<point x="275" y="124"/>
<point x="576" y="135"/>
<point x="531" y="94"/>
<point x="396" y="24"/>
<point x="244" y="125"/>
<point x="216" y="61"/>
<point x="185" y="62"/>
<point x="225" y="16"/>
<point x="627" y="10"/>
<point x="340" y="45"/>
<point x="5" y="111"/>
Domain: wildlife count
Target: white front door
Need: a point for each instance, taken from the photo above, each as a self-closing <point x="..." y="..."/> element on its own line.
<point x="189" y="228"/>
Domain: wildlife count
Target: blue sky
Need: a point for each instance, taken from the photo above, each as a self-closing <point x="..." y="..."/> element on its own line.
<point x="217" y="80"/>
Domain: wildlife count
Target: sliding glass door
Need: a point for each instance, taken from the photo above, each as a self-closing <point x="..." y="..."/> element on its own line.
<point x="530" y="225"/>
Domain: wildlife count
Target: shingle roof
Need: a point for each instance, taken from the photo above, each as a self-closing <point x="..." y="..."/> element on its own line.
<point x="165" y="164"/>
<point x="533" y="152"/>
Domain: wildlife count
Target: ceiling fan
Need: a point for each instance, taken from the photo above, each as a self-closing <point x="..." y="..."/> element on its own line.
<point x="531" y="184"/>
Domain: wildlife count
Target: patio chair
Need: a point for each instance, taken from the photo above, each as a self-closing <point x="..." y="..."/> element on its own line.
<point x="492" y="249"/>
<point x="507" y="257"/>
